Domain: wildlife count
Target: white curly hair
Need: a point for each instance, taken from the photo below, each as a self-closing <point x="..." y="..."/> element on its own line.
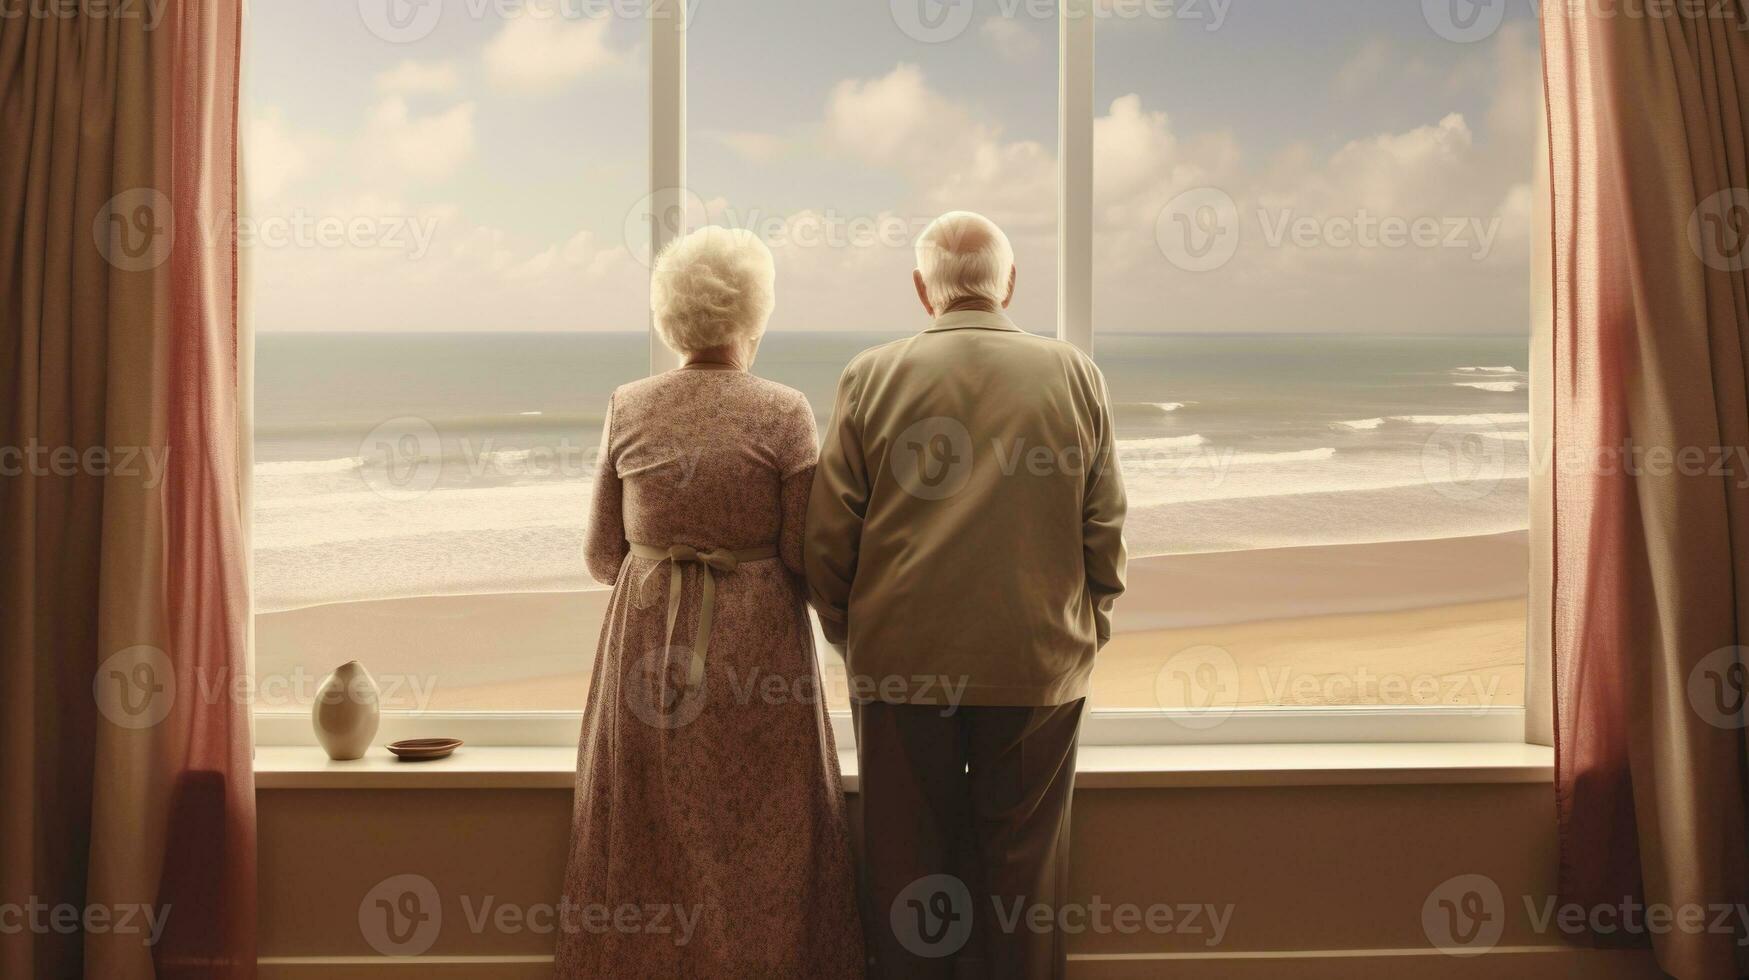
<point x="715" y="287"/>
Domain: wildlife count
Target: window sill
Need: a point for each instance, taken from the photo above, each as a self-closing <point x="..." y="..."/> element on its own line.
<point x="1100" y="767"/>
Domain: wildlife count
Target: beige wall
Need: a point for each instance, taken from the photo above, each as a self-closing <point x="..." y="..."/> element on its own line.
<point x="1323" y="881"/>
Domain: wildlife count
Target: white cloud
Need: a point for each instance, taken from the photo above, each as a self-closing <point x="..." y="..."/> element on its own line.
<point x="393" y="175"/>
<point x="277" y="156"/>
<point x="895" y="129"/>
<point x="897" y="119"/>
<point x="579" y="252"/>
<point x="1013" y="182"/>
<point x="421" y="147"/>
<point x="1011" y="38"/>
<point x="413" y="77"/>
<point x="474" y="276"/>
<point x="1447" y="172"/>
<point x="1419" y="171"/>
<point x="1132" y="148"/>
<point x="752" y="146"/>
<point x="537" y="54"/>
<point x="897" y="122"/>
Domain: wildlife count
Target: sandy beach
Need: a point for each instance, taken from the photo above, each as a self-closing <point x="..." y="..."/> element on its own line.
<point x="1408" y="622"/>
<point x="1468" y="654"/>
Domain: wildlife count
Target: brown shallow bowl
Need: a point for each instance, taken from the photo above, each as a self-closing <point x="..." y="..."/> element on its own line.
<point x="424" y="749"/>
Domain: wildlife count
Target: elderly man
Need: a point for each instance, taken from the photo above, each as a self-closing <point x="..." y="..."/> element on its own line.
<point x="964" y="547"/>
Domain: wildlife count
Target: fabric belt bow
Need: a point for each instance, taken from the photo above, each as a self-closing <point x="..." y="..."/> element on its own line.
<point x="710" y="561"/>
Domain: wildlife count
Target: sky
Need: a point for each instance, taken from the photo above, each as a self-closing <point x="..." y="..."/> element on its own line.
<point x="1261" y="165"/>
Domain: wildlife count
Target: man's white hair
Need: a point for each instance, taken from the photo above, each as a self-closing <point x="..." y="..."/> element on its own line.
<point x="715" y="287"/>
<point x="963" y="254"/>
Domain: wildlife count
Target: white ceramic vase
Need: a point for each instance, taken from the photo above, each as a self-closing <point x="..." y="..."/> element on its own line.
<point x="347" y="712"/>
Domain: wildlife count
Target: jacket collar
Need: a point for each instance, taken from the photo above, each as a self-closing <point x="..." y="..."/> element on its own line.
<point x="972" y="320"/>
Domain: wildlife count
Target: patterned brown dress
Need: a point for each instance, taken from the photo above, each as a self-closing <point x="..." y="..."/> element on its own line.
<point x="709" y="837"/>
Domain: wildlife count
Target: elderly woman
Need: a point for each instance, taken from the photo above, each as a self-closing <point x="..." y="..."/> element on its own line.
<point x="709" y="837"/>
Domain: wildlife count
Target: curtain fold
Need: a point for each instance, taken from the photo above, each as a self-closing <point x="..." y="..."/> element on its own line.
<point x="124" y="740"/>
<point x="1650" y="578"/>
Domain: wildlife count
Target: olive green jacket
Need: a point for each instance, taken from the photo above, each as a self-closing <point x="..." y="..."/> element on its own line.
<point x="965" y="529"/>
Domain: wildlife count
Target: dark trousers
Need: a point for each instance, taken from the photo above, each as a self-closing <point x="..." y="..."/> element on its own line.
<point x="965" y="834"/>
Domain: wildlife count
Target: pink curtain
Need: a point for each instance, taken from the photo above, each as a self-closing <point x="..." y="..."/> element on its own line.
<point x="1648" y="106"/>
<point x="124" y="728"/>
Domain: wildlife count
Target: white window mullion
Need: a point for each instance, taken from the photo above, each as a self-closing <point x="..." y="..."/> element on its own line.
<point x="1075" y="173"/>
<point x="667" y="141"/>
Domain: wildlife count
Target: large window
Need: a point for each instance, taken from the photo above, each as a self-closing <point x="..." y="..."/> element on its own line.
<point x="1311" y="227"/>
<point x="1295" y="236"/>
<point x="443" y="298"/>
<point x="839" y="154"/>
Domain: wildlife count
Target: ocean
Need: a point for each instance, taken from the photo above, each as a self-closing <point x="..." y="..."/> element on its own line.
<point x="404" y="464"/>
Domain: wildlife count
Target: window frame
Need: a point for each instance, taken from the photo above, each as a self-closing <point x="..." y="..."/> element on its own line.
<point x="1076" y="110"/>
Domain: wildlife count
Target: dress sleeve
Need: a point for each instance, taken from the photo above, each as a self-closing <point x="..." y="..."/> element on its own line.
<point x="836" y="508"/>
<point x="604" y="540"/>
<point x="799" y="453"/>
